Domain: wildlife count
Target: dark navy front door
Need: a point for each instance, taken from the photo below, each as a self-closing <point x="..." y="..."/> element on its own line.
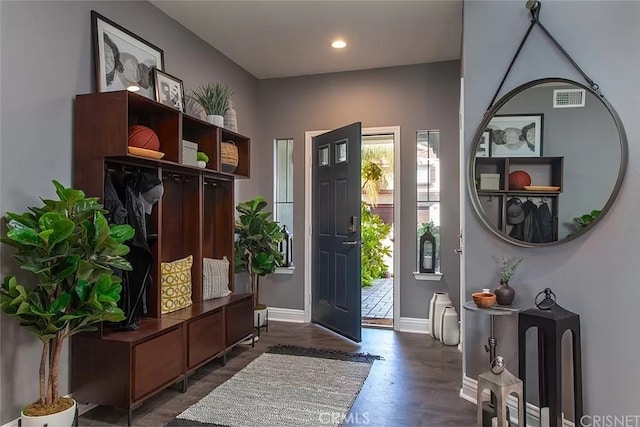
<point x="336" y="295"/>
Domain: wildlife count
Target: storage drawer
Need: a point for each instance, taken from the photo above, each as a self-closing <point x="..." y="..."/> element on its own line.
<point x="205" y="337"/>
<point x="157" y="362"/>
<point x="239" y="320"/>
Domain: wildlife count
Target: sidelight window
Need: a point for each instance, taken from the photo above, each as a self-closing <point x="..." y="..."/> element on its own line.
<point x="428" y="200"/>
<point x="283" y="206"/>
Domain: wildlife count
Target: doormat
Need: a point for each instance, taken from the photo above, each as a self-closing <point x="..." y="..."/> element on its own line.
<point x="286" y="386"/>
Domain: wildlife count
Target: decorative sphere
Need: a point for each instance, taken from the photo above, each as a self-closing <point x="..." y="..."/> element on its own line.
<point x="518" y="179"/>
<point x="143" y="137"/>
<point x="497" y="365"/>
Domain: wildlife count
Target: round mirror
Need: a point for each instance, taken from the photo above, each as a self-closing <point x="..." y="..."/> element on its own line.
<point x="547" y="163"/>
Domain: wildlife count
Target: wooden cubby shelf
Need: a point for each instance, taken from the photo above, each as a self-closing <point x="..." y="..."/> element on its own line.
<point x="195" y="216"/>
<point x="544" y="171"/>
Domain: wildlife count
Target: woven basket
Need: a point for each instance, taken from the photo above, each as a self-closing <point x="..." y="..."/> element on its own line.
<point x="229" y="156"/>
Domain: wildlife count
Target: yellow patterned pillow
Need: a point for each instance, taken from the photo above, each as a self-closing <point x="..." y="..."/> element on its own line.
<point x="176" y="284"/>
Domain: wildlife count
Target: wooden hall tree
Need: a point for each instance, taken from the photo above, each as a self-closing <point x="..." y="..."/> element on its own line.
<point x="195" y="216"/>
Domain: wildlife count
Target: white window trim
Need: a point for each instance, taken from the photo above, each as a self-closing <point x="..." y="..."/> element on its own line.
<point x="433" y="277"/>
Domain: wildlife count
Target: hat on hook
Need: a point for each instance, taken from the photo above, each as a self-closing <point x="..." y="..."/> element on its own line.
<point x="150" y="189"/>
<point x="515" y="213"/>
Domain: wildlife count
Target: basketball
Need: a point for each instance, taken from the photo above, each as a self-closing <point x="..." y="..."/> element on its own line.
<point x="518" y="179"/>
<point x="143" y="137"/>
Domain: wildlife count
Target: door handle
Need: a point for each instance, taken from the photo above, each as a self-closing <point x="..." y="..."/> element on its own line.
<point x="457" y="251"/>
<point x="351" y="242"/>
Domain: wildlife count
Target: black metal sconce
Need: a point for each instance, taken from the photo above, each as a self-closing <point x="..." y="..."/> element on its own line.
<point x="427" y="253"/>
<point x="286" y="247"/>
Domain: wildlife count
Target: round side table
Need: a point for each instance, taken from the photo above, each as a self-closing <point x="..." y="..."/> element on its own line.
<point x="489" y="407"/>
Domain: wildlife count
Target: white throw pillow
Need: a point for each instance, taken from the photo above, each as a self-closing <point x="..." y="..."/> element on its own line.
<point x="216" y="278"/>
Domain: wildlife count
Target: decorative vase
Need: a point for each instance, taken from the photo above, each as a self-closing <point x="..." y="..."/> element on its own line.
<point x="449" y="330"/>
<point x="202" y="164"/>
<point x="504" y="293"/>
<point x="215" y="119"/>
<point x="230" y="118"/>
<point x="61" y="419"/>
<point x="439" y="301"/>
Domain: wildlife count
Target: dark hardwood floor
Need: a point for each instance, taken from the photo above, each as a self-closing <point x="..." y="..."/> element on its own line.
<point x="416" y="384"/>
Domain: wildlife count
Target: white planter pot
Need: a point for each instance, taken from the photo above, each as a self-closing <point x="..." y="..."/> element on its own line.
<point x="260" y="317"/>
<point x="439" y="301"/>
<point x="215" y="120"/>
<point x="449" y="330"/>
<point x="60" y="419"/>
<point x="202" y="164"/>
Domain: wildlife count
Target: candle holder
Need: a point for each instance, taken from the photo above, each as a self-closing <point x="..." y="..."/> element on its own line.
<point x="286" y="247"/>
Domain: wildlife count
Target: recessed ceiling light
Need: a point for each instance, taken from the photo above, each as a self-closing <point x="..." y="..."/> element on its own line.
<point x="338" y="44"/>
<point x="133" y="88"/>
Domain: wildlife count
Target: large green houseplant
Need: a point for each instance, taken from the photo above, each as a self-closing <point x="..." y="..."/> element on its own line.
<point x="256" y="246"/>
<point x="70" y="250"/>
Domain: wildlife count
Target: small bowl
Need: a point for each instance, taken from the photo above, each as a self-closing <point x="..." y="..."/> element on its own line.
<point x="484" y="299"/>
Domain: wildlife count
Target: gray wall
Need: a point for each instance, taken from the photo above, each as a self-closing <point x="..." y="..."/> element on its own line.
<point x="588" y="140"/>
<point x="46" y="61"/>
<point x="416" y="97"/>
<point x="596" y="275"/>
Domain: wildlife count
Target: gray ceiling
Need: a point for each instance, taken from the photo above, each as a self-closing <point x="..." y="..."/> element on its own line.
<point x="290" y="38"/>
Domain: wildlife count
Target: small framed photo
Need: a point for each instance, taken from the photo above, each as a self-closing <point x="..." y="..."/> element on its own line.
<point x="169" y="90"/>
<point x="484" y="145"/>
<point x="123" y="60"/>
<point x="516" y="135"/>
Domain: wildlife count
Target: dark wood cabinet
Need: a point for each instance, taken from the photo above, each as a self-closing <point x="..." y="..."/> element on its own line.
<point x="195" y="216"/>
<point x="238" y="320"/>
<point x="157" y="362"/>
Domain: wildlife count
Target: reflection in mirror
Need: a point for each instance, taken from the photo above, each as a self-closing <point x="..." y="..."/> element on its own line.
<point x="547" y="161"/>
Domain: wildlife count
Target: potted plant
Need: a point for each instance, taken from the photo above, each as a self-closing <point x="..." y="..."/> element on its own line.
<point x="214" y="99"/>
<point x="256" y="247"/>
<point x="505" y="293"/>
<point x="70" y="249"/>
<point x="203" y="159"/>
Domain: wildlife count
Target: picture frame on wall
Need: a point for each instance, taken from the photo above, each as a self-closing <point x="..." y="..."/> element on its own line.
<point x="516" y="135"/>
<point x="123" y="60"/>
<point x="169" y="90"/>
<point x="484" y="145"/>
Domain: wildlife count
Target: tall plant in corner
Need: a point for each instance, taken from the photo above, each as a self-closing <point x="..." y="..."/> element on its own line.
<point x="256" y="246"/>
<point x="70" y="250"/>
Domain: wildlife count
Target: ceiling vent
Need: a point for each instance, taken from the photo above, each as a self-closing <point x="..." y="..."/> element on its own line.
<point x="568" y="98"/>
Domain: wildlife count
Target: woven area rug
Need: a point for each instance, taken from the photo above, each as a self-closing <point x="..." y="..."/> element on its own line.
<point x="286" y="386"/>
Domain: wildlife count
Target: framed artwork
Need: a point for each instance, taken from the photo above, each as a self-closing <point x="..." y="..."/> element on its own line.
<point x="169" y="90"/>
<point x="122" y="60"/>
<point x="516" y="135"/>
<point x="484" y="145"/>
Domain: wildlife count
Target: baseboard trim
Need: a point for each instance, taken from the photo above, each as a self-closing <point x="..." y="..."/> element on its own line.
<point x="286" y="315"/>
<point x="469" y="392"/>
<point x="413" y="324"/>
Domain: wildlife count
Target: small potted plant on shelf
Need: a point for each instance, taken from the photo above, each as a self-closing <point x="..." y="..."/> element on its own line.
<point x="203" y="159"/>
<point x="256" y="248"/>
<point x="214" y="99"/>
<point x="70" y="249"/>
<point x="505" y="293"/>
